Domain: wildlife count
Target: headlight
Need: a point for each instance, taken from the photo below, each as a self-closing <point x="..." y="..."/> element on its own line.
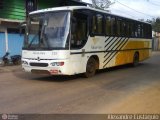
<point x="24" y="62"/>
<point x="57" y="63"/>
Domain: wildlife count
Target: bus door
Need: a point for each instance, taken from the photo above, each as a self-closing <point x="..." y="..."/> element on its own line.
<point x="79" y="36"/>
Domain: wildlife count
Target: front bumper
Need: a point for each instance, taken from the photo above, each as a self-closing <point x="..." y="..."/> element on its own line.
<point x="45" y="67"/>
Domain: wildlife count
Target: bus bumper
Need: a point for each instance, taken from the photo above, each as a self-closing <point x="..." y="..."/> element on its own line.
<point x="54" y="67"/>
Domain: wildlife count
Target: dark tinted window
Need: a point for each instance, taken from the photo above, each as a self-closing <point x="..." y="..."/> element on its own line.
<point x="142" y="30"/>
<point x="97" y="24"/>
<point x="113" y="26"/>
<point x="108" y="25"/>
<point x="127" y="29"/>
<point x="119" y="22"/>
<point x="123" y="28"/>
<point x="79" y="36"/>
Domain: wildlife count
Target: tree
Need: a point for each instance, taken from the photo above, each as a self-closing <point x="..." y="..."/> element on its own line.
<point x="101" y="4"/>
<point x="156" y="24"/>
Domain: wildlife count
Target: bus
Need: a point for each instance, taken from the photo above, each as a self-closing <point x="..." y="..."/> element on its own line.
<point x="78" y="39"/>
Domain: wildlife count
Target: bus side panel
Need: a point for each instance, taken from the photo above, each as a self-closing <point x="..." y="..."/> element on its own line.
<point x="96" y="46"/>
<point x="75" y="63"/>
<point x="142" y="46"/>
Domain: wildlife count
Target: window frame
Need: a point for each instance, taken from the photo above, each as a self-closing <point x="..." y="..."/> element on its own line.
<point x="95" y="33"/>
<point x="128" y="27"/>
<point x="87" y="29"/>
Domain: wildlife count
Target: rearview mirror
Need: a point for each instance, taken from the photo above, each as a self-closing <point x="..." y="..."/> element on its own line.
<point x="22" y="26"/>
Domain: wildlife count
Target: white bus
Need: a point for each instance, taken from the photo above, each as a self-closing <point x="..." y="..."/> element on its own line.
<point x="78" y="39"/>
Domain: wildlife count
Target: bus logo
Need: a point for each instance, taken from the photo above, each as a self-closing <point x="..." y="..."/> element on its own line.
<point x="94" y="40"/>
<point x="38" y="59"/>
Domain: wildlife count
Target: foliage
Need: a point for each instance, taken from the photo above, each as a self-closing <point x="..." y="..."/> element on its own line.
<point x="101" y="4"/>
<point x="156" y="24"/>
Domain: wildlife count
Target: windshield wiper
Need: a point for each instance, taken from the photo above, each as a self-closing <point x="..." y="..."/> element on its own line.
<point x="43" y="38"/>
<point x="32" y="40"/>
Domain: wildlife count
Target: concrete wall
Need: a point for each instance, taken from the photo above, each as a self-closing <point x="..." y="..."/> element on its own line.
<point x="2" y="44"/>
<point x="15" y="43"/>
<point x="156" y="43"/>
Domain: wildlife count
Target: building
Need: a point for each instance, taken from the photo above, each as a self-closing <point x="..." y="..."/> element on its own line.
<point x="13" y="12"/>
<point x="156" y="41"/>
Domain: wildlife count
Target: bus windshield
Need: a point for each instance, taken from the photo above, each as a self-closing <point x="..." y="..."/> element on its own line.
<point x="48" y="31"/>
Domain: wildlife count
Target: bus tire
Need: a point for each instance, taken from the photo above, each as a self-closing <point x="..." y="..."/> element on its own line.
<point x="136" y="59"/>
<point x="90" y="68"/>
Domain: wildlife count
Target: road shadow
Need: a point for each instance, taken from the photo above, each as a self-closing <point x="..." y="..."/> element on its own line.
<point x="124" y="81"/>
<point x="120" y="68"/>
<point x="64" y="78"/>
<point x="48" y="78"/>
<point x="123" y="78"/>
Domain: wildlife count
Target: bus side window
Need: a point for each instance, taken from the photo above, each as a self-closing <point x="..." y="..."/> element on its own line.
<point x="142" y="30"/>
<point x="149" y="31"/>
<point x="113" y="26"/>
<point x="119" y="27"/>
<point x="127" y="29"/>
<point x="79" y="36"/>
<point x="94" y="26"/>
<point x="145" y="31"/>
<point x="139" y="30"/>
<point x="108" y="25"/>
<point x="130" y="29"/>
<point x="123" y="28"/>
<point x="97" y="24"/>
<point x="135" y="30"/>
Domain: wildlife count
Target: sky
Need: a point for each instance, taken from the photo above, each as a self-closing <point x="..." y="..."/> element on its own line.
<point x="137" y="9"/>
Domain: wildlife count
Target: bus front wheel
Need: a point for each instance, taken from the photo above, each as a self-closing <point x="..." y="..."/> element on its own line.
<point x="90" y="67"/>
<point x="136" y="59"/>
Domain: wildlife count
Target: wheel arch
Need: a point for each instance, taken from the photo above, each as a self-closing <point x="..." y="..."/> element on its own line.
<point x="136" y="52"/>
<point x="97" y="60"/>
<point x="136" y="58"/>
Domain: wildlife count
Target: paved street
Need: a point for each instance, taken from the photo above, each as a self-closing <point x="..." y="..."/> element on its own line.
<point x="117" y="90"/>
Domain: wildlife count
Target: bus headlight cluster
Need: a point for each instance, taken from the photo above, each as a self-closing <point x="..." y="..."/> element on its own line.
<point x="24" y="62"/>
<point x="57" y="63"/>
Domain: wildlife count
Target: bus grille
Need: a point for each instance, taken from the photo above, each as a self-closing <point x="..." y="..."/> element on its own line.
<point x="40" y="71"/>
<point x="39" y="64"/>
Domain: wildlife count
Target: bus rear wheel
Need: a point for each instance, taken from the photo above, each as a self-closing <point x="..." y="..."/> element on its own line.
<point x="136" y="59"/>
<point x="90" y="68"/>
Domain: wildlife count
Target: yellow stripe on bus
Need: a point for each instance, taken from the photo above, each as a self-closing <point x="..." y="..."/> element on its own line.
<point x="130" y="48"/>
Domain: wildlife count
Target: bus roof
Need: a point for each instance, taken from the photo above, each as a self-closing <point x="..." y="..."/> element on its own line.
<point x="71" y="8"/>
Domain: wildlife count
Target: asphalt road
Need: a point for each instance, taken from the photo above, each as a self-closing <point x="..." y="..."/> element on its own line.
<point x="117" y="90"/>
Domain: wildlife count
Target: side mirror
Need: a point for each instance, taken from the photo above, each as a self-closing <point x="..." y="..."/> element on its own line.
<point x="21" y="27"/>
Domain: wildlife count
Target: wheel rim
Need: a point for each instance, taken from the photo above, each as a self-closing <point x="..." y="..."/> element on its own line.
<point x="136" y="59"/>
<point x="91" y="68"/>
